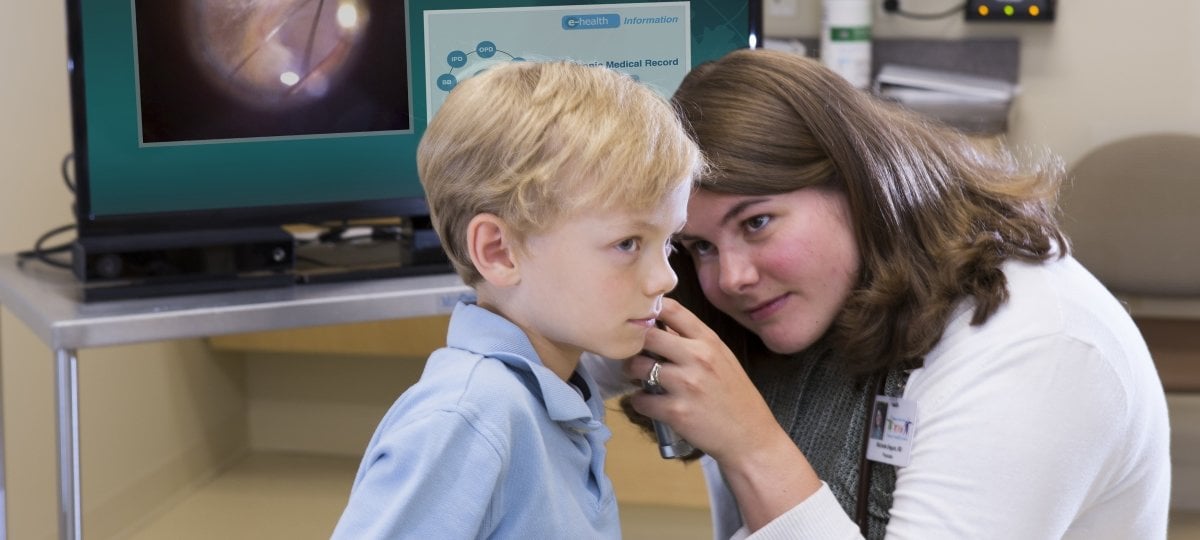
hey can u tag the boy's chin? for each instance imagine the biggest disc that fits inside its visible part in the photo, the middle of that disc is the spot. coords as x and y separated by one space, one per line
621 353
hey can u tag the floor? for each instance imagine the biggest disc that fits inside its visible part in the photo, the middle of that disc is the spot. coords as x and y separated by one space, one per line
299 497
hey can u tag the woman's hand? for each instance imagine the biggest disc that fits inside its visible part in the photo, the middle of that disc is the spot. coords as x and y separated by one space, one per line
711 402
709 399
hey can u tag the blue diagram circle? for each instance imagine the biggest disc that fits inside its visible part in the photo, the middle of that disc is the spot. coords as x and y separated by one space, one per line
458 59
486 49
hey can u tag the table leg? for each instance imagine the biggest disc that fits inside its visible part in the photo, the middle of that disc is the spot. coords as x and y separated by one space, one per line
66 389
3 482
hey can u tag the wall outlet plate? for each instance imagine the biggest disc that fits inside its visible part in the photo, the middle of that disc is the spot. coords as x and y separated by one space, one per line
1010 10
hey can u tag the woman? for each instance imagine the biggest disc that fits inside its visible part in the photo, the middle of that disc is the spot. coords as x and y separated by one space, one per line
842 249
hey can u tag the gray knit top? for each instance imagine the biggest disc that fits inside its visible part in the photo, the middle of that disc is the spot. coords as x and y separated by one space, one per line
824 409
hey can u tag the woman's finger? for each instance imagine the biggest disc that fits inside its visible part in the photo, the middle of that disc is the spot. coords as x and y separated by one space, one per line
683 322
683 327
637 368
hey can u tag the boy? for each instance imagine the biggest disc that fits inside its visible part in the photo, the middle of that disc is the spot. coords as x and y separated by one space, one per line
555 189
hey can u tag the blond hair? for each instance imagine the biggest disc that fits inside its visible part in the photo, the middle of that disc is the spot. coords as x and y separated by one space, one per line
533 142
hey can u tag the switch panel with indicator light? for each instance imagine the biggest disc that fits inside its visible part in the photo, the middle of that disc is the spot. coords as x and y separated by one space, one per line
1010 10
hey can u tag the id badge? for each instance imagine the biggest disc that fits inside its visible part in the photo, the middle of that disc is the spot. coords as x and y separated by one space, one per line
893 425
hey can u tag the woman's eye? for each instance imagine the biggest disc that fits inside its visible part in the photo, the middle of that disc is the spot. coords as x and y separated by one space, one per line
628 245
699 248
756 223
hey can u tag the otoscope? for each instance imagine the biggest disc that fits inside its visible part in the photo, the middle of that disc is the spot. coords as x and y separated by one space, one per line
670 444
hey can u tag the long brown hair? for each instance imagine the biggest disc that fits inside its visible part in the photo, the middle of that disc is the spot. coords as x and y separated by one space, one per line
934 212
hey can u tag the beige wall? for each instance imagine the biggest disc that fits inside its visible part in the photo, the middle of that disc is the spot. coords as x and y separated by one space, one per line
158 415
155 417
1104 70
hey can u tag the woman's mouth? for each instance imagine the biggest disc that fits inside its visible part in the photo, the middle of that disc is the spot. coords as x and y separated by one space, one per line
768 308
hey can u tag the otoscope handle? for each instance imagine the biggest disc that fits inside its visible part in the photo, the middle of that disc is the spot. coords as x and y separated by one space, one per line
670 444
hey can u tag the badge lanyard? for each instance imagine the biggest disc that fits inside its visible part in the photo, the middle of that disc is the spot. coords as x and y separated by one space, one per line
887 438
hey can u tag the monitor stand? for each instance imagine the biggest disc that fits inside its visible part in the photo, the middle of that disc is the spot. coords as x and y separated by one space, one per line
125 266
119 267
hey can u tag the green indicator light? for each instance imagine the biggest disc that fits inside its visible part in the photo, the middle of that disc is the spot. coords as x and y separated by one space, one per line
1009 10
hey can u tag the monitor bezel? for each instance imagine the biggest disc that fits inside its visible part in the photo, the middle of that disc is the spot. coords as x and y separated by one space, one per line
230 218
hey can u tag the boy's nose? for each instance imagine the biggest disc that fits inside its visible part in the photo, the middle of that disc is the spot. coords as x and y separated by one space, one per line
662 277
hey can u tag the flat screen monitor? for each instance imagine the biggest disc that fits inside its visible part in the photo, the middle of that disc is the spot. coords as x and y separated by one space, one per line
223 114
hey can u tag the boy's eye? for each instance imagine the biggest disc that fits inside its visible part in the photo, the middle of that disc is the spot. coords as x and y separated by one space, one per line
757 222
628 244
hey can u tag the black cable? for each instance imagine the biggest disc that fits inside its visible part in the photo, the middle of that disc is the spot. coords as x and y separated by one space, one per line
66 175
42 253
893 7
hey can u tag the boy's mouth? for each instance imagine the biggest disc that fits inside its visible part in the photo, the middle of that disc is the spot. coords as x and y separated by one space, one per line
647 322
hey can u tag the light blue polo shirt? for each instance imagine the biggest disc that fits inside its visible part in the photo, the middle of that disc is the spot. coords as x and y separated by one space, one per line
488 444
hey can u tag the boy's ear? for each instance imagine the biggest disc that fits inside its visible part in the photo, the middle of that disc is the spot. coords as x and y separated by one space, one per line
490 245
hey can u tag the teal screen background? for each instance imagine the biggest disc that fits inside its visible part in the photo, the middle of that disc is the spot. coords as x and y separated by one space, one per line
126 178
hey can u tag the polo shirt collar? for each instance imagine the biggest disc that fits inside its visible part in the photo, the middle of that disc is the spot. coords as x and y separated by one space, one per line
483 332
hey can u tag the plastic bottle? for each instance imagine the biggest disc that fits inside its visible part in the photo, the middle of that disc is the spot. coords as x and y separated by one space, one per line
846 39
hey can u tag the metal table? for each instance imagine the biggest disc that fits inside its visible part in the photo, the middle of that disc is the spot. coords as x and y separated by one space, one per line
47 299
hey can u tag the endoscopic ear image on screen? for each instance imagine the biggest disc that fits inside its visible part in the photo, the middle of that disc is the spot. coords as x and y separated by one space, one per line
234 69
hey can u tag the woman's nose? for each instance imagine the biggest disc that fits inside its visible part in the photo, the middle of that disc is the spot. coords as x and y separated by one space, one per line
736 270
